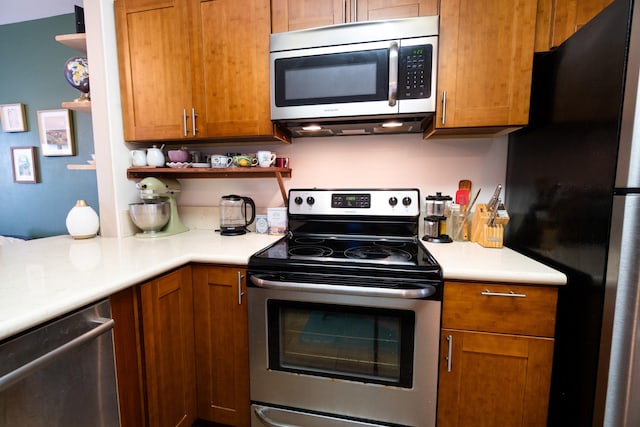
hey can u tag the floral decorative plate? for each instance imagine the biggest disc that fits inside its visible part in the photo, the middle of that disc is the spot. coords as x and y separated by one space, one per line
76 71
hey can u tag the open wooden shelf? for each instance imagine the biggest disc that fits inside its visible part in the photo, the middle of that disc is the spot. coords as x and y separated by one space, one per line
81 167
83 107
238 172
77 41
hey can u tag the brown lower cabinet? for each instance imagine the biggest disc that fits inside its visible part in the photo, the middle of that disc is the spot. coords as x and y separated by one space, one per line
154 341
222 347
496 354
181 345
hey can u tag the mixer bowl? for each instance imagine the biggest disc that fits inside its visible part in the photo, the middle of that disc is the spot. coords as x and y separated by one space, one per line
150 217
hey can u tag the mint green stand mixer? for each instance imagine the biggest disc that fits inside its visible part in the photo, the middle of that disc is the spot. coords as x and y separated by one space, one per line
153 190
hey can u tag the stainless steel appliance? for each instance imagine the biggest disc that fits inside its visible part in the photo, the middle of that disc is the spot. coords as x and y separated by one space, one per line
573 192
358 78
344 314
234 215
61 374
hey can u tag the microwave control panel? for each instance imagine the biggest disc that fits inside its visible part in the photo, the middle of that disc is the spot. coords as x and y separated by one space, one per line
414 74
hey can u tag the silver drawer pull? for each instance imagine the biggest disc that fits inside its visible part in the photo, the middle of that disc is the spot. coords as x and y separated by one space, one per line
510 294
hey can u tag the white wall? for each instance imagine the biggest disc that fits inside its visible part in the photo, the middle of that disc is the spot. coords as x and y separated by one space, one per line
369 162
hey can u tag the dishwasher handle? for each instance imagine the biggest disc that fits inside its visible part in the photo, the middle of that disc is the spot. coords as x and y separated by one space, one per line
6 381
414 293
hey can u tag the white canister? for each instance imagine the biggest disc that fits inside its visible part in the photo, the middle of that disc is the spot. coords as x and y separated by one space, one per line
82 221
155 157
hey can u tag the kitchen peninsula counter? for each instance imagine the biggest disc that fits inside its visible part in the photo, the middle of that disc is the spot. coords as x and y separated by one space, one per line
44 278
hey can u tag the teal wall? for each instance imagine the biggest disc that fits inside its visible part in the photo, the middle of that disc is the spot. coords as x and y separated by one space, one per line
31 73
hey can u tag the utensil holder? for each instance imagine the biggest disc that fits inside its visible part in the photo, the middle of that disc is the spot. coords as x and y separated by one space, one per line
492 236
480 219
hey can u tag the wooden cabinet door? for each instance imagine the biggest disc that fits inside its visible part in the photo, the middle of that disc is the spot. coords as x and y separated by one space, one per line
168 334
290 15
153 344
493 380
155 68
371 10
234 68
222 348
485 63
559 19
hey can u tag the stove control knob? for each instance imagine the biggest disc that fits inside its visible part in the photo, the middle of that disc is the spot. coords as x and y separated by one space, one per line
393 201
406 201
298 200
310 200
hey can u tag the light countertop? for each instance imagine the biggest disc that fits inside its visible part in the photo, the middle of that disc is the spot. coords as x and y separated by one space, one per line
44 278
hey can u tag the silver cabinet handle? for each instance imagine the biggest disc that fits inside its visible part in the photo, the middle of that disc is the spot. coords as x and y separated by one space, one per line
423 292
184 121
444 106
510 294
355 10
393 74
240 293
29 368
449 351
193 121
260 412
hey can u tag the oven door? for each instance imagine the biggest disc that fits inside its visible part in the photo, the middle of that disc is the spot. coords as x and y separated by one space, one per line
368 359
365 79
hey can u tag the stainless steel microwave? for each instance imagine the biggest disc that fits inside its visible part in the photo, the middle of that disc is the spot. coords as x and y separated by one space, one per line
364 72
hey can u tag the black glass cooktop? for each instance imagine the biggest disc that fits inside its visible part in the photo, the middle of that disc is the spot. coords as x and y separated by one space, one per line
335 252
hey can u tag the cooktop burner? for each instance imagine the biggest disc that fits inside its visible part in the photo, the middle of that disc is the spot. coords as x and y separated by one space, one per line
356 250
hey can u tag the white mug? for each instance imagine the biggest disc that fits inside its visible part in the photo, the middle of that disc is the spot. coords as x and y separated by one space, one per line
265 158
138 158
220 161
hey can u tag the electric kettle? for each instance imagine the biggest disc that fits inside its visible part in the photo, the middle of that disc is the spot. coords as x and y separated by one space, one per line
233 214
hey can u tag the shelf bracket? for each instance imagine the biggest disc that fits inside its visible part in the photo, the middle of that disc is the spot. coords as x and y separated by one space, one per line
281 185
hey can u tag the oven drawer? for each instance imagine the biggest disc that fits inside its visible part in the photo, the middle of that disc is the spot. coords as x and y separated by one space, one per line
266 416
509 309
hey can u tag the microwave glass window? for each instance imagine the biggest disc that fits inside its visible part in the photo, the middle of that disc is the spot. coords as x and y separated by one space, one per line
355 343
331 81
332 78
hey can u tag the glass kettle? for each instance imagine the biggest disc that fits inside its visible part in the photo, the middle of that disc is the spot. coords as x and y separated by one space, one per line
234 217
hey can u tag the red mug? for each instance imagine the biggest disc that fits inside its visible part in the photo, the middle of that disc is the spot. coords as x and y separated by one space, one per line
282 162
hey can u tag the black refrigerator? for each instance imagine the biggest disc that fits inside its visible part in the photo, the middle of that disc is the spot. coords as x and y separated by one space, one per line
573 195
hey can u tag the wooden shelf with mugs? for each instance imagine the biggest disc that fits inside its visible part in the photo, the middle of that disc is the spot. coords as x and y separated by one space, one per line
136 172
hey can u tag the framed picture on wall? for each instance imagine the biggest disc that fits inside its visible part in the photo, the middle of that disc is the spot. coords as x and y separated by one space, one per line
13 118
25 169
56 135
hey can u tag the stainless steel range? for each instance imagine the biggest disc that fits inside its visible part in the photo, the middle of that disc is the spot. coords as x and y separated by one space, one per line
344 314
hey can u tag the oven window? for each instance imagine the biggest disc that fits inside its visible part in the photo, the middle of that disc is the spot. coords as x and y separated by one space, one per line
371 345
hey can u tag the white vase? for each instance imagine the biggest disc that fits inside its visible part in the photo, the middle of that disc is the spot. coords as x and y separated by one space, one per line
82 221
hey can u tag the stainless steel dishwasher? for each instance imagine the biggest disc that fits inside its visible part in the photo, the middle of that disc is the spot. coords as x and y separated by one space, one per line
61 374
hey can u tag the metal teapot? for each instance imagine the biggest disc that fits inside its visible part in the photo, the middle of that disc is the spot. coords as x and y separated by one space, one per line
233 214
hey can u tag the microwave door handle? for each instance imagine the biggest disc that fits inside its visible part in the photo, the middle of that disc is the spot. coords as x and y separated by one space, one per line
393 74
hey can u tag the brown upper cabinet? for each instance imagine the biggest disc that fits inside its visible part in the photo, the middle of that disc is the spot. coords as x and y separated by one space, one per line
290 15
194 69
484 66
559 19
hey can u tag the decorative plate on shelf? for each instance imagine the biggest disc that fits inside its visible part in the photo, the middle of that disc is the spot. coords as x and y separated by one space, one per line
76 71
179 165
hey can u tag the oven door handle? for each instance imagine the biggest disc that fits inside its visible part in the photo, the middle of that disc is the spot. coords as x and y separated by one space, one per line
366 291
260 412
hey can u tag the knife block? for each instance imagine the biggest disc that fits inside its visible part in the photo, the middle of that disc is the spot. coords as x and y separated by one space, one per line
482 233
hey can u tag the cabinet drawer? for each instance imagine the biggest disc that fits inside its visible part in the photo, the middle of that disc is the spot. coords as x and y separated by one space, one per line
509 309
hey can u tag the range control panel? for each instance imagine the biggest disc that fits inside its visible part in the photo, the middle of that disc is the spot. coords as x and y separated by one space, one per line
370 202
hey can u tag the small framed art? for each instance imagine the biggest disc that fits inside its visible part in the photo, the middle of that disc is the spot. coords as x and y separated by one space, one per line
25 169
56 136
13 118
